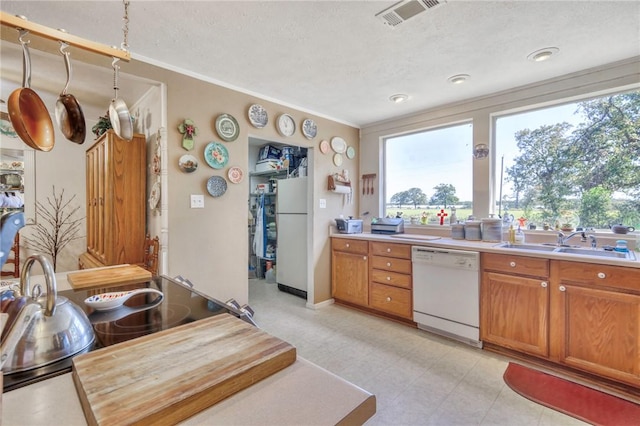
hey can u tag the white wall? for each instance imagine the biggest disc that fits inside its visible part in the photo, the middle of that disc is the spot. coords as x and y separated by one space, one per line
619 75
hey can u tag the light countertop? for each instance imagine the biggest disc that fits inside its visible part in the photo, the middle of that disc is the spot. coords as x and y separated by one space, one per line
481 246
302 393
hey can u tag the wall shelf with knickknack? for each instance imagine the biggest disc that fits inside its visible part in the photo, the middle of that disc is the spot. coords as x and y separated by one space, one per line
17 175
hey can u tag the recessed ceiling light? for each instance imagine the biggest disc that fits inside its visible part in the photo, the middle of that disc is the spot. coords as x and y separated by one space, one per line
458 78
398 98
543 54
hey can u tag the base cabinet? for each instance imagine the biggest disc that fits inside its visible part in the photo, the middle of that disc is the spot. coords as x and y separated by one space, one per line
516 314
373 275
596 325
580 315
350 271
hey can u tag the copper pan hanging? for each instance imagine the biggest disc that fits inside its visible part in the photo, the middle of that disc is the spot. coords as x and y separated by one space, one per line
28 114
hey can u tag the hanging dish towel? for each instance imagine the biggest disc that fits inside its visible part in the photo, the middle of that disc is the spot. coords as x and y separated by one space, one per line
259 236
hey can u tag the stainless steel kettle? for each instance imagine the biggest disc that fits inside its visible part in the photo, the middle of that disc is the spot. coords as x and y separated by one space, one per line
42 329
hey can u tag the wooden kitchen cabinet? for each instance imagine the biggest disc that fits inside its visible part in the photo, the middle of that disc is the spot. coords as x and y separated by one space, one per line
116 208
373 275
596 319
515 303
390 287
350 271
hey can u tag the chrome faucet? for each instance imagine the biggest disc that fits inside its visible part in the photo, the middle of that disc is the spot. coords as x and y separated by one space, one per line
562 239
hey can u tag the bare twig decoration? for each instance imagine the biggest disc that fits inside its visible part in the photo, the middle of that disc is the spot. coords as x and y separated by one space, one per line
56 226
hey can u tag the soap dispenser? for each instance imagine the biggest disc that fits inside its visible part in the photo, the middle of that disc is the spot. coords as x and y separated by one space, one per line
512 235
519 237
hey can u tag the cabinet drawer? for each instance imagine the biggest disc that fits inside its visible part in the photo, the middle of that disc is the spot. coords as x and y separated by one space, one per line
392 300
402 251
520 265
350 246
391 278
391 264
598 275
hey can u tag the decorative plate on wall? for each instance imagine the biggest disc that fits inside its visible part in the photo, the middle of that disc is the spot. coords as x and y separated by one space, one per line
216 186
216 155
258 116
154 197
351 152
188 163
227 127
324 146
337 160
309 128
338 145
235 174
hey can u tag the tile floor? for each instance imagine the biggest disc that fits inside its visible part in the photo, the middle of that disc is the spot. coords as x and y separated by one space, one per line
418 378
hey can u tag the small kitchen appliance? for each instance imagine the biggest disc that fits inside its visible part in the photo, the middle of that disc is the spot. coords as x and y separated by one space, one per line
387 225
349 226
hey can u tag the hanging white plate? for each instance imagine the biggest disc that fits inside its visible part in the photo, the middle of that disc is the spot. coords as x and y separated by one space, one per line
324 146
258 116
154 197
309 128
235 174
216 186
351 152
338 145
337 160
188 163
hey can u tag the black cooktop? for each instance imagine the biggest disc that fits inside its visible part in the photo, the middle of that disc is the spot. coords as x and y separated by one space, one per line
142 314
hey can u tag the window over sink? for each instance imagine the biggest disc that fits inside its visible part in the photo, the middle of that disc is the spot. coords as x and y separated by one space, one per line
575 164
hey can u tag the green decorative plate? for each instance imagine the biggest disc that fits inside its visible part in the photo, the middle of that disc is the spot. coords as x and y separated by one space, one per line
216 155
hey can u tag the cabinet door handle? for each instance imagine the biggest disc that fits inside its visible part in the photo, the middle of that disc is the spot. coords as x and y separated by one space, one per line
364 257
388 278
388 263
562 288
388 250
602 275
347 245
543 284
388 299
512 264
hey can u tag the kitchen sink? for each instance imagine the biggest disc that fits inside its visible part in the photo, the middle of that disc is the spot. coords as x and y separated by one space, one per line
534 247
580 251
597 252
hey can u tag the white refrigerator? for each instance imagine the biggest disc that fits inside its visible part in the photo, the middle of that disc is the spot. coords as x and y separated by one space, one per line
291 254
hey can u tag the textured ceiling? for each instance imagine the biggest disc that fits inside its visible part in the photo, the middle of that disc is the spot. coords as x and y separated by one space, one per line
336 59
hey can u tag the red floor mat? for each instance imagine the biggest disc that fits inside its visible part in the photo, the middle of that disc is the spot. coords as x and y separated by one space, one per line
575 400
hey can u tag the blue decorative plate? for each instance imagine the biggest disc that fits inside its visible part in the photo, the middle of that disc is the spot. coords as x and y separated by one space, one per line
216 186
216 155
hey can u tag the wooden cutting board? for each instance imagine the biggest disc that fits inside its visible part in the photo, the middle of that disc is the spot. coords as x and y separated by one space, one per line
166 377
108 277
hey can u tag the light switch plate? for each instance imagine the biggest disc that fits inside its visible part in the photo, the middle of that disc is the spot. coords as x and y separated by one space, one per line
323 203
197 201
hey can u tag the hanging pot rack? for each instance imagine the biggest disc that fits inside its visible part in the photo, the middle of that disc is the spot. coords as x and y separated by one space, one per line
58 35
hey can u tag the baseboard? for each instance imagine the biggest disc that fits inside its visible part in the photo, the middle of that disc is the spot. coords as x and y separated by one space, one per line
319 305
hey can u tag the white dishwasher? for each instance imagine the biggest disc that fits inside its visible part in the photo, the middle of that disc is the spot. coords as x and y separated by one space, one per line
446 288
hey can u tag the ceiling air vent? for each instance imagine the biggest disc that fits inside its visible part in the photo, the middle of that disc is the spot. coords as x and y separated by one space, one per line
400 12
